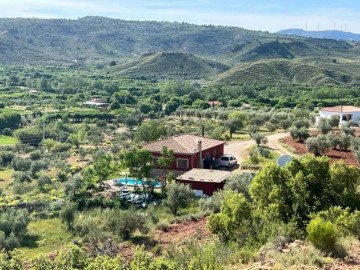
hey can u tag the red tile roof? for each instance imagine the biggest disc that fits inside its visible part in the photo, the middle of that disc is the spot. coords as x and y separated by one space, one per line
341 108
182 144
214 103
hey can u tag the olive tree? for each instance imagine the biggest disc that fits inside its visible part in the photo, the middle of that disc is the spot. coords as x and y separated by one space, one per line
178 196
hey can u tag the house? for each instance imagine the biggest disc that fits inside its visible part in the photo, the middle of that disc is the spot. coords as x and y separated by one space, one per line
204 181
214 103
345 113
190 151
96 102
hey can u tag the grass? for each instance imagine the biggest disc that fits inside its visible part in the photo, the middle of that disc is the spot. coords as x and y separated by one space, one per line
262 160
7 140
45 236
5 176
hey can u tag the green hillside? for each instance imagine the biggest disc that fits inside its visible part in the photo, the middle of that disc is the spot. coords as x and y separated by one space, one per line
98 39
171 65
294 71
91 39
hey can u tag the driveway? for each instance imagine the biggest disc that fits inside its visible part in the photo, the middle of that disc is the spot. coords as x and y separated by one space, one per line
240 149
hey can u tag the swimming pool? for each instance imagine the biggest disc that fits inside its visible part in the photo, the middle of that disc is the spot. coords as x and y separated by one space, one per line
134 182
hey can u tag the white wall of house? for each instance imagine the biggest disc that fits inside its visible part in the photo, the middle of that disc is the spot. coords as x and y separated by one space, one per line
354 116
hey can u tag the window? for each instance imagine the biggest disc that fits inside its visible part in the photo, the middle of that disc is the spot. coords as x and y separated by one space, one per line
182 163
155 160
225 158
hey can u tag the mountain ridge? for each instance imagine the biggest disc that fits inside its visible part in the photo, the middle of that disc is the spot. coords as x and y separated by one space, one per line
324 34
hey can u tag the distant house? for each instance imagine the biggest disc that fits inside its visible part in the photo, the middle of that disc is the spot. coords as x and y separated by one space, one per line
214 103
345 113
204 181
190 151
33 91
96 102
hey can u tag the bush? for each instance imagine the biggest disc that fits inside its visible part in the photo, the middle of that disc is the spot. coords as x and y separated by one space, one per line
124 222
36 155
21 177
323 126
270 127
254 155
6 157
323 234
178 196
163 226
334 121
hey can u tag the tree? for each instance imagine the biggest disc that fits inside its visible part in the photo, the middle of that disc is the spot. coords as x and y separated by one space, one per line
102 168
234 221
300 134
67 215
318 145
150 131
125 222
236 120
139 162
258 138
323 126
164 162
178 196
334 121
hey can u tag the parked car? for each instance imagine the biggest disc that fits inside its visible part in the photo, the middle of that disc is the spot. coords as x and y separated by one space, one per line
228 160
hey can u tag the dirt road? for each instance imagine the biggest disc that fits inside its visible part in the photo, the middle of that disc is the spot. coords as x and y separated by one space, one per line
239 149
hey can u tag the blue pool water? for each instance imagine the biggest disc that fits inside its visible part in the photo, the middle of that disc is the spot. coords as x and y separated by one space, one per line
133 182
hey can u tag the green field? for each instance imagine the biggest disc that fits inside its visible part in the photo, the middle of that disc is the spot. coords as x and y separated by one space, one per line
5 176
7 140
45 236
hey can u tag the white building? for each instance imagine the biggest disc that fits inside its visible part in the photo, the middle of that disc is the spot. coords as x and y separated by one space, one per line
345 113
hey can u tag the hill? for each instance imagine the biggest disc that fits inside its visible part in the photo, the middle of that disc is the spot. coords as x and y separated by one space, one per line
328 34
92 39
171 65
273 71
98 39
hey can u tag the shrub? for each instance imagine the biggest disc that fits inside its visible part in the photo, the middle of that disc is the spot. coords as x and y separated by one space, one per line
6 158
333 140
300 134
323 126
254 155
345 141
264 152
124 222
178 196
36 155
334 121
270 127
21 177
322 234
163 226
43 181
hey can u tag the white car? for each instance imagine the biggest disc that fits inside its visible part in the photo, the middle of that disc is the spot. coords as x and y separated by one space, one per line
227 160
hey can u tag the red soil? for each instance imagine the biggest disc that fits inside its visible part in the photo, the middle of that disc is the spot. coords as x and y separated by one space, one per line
334 154
177 234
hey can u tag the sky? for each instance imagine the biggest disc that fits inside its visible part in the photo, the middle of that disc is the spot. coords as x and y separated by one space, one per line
262 15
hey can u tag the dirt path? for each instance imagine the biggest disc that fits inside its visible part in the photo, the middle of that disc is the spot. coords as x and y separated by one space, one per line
239 149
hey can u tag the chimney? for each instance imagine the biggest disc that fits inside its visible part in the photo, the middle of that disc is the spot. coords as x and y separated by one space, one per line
199 148
341 108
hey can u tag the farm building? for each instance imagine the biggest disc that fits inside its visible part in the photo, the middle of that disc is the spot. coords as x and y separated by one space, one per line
96 103
345 113
204 181
190 151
